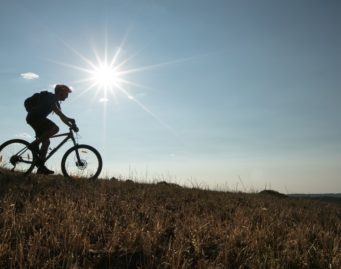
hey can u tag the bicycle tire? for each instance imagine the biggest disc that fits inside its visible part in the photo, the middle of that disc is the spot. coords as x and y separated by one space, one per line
72 169
15 156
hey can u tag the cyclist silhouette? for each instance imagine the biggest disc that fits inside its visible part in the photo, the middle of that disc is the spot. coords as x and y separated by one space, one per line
45 103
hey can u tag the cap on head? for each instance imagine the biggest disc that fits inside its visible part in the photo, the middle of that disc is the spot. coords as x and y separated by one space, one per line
60 88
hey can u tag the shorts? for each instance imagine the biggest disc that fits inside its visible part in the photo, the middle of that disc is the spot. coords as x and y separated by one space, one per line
41 126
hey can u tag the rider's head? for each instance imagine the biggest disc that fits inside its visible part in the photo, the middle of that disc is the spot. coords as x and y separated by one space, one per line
62 91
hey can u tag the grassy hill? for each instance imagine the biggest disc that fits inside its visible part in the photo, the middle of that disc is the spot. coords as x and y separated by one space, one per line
51 222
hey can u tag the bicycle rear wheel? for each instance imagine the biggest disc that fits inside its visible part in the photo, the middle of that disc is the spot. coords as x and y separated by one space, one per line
15 155
82 161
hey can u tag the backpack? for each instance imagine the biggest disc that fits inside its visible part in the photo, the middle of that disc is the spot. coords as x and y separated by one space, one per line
35 100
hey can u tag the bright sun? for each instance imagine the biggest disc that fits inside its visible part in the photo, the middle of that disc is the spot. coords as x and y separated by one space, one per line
108 76
105 76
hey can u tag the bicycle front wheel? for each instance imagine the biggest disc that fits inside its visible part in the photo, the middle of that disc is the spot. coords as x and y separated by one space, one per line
15 155
82 161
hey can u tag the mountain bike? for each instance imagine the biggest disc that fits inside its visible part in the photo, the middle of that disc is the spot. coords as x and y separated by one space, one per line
79 161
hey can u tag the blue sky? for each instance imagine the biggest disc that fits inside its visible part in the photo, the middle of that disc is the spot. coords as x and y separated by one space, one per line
222 94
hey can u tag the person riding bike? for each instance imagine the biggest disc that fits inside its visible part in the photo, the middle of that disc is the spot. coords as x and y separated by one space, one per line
44 128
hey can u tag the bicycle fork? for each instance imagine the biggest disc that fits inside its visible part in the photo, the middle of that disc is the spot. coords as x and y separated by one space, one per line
79 162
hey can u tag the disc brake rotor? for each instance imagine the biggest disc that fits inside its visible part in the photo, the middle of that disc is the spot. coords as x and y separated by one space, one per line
82 164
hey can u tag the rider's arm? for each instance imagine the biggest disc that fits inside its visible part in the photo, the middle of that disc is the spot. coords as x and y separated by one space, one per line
68 121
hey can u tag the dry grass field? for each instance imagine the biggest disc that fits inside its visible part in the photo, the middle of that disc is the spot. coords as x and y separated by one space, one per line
51 222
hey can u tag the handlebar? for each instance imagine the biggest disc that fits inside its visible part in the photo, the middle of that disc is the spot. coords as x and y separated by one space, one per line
74 126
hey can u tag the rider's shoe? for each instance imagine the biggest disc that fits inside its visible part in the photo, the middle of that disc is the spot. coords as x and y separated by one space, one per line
43 170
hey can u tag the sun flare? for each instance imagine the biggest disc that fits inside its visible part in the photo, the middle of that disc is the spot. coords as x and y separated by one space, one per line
105 76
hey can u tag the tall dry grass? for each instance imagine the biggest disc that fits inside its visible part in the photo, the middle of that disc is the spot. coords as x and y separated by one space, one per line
50 222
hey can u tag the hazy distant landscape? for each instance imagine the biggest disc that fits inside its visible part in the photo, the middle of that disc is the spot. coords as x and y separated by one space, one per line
51 222
325 197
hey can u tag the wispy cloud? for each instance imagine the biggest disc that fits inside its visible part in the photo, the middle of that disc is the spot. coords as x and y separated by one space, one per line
29 76
24 135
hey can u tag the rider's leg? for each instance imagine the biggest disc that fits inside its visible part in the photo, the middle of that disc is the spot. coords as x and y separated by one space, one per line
42 169
44 129
43 137
45 140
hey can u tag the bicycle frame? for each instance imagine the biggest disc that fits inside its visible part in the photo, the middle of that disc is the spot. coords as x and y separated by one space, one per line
68 135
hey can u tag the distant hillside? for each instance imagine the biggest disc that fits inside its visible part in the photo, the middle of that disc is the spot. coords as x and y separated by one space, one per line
52 222
325 197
